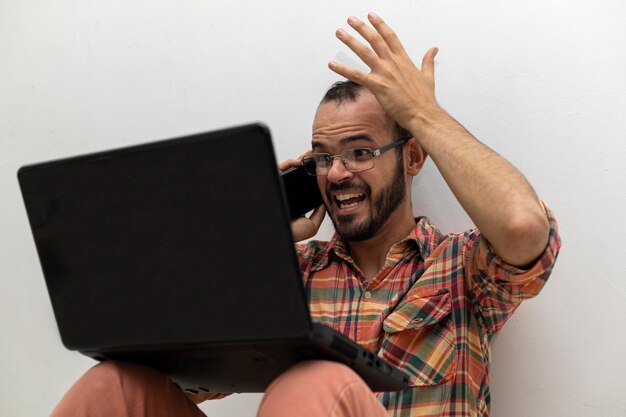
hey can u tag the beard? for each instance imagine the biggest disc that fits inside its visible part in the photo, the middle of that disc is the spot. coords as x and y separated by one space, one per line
380 209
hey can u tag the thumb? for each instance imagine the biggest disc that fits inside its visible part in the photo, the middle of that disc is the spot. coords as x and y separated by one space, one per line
428 62
306 227
318 216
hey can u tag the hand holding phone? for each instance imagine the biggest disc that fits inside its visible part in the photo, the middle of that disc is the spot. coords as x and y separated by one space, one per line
303 194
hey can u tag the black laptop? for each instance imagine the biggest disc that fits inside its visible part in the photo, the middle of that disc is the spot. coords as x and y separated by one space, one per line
178 254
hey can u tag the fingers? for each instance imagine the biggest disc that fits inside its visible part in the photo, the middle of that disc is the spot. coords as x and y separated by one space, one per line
375 40
383 43
351 74
367 55
382 39
285 165
389 37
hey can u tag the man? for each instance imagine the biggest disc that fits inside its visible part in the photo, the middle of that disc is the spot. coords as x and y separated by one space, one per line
429 303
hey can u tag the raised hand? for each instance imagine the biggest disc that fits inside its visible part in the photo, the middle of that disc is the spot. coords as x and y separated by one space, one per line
405 92
496 196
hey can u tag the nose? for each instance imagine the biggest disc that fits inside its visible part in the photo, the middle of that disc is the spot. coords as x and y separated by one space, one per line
338 171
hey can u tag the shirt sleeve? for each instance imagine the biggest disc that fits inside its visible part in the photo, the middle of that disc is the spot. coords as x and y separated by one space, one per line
497 287
305 252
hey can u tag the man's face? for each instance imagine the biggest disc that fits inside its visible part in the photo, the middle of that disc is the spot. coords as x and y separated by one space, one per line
359 203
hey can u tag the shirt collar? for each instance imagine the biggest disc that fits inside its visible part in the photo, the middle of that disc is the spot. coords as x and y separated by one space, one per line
423 236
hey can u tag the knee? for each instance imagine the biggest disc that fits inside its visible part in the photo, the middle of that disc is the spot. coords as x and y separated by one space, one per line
107 370
314 378
103 382
113 388
311 388
317 373
104 372
111 375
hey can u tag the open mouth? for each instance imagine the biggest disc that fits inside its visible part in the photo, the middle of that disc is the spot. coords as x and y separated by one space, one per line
346 201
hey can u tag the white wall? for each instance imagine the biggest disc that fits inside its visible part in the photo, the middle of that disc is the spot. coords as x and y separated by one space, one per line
542 82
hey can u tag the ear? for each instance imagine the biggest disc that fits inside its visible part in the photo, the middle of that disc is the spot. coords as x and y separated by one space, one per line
414 157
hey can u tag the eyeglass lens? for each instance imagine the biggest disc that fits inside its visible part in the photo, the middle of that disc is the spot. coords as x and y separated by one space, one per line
355 160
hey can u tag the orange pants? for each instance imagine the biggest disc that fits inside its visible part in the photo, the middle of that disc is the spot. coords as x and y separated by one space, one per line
309 389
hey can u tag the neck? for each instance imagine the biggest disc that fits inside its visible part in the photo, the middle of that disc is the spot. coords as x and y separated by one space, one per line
370 255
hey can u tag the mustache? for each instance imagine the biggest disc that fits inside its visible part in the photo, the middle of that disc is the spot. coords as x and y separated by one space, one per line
366 189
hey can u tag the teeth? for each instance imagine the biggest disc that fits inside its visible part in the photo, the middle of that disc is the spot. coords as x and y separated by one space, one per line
343 197
349 205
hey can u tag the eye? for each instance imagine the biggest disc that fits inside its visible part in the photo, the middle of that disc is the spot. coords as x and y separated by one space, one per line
320 158
361 153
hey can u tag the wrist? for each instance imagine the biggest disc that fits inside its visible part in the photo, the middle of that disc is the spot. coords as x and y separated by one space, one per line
425 120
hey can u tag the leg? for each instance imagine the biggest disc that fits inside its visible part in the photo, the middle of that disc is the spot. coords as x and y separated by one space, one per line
320 389
115 389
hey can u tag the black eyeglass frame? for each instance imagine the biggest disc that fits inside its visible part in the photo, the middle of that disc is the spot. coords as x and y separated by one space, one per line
375 153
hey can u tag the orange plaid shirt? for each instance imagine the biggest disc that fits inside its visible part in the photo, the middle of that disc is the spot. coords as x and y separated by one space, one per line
432 310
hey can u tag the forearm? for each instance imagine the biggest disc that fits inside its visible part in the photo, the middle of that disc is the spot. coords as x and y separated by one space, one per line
496 196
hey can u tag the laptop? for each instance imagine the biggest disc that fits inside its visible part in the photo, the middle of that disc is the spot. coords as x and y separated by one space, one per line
178 255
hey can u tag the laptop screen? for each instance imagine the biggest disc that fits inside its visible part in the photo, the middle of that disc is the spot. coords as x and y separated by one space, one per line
179 240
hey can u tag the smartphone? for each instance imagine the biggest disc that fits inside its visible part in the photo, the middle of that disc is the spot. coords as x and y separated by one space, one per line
303 194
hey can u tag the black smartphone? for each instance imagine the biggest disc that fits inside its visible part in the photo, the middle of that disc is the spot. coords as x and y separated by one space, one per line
303 194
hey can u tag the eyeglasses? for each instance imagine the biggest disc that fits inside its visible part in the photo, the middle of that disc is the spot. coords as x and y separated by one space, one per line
355 160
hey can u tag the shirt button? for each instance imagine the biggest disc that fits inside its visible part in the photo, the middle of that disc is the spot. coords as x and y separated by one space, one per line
367 295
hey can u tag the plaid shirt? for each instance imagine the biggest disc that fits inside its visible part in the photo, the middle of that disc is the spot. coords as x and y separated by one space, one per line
432 310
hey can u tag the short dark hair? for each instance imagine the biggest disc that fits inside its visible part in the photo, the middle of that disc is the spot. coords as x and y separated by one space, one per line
348 92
